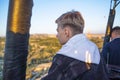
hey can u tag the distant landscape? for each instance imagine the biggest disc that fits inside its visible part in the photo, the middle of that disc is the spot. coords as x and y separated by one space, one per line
42 48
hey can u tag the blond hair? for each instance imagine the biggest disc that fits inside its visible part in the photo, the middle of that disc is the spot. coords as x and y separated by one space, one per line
72 18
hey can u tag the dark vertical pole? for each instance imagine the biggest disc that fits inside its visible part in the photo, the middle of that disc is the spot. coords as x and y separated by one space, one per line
17 39
110 21
109 26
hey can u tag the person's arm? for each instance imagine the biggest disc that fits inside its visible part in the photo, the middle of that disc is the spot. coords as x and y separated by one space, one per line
76 70
105 53
65 68
56 70
54 73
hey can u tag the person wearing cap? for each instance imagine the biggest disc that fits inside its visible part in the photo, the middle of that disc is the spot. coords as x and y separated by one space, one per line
78 58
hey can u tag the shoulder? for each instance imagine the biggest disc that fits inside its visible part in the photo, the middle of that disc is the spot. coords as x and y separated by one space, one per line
70 61
115 40
113 43
61 60
62 57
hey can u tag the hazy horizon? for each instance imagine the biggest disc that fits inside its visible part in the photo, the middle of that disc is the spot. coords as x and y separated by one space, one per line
45 12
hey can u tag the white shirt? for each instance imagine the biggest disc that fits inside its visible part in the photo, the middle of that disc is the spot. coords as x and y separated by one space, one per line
80 48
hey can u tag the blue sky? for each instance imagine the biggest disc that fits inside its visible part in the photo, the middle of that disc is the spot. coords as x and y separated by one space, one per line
45 12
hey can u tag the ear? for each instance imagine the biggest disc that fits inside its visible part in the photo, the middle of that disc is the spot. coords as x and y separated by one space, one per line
67 32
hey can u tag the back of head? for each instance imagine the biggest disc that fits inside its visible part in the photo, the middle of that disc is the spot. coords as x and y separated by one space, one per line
115 32
72 18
